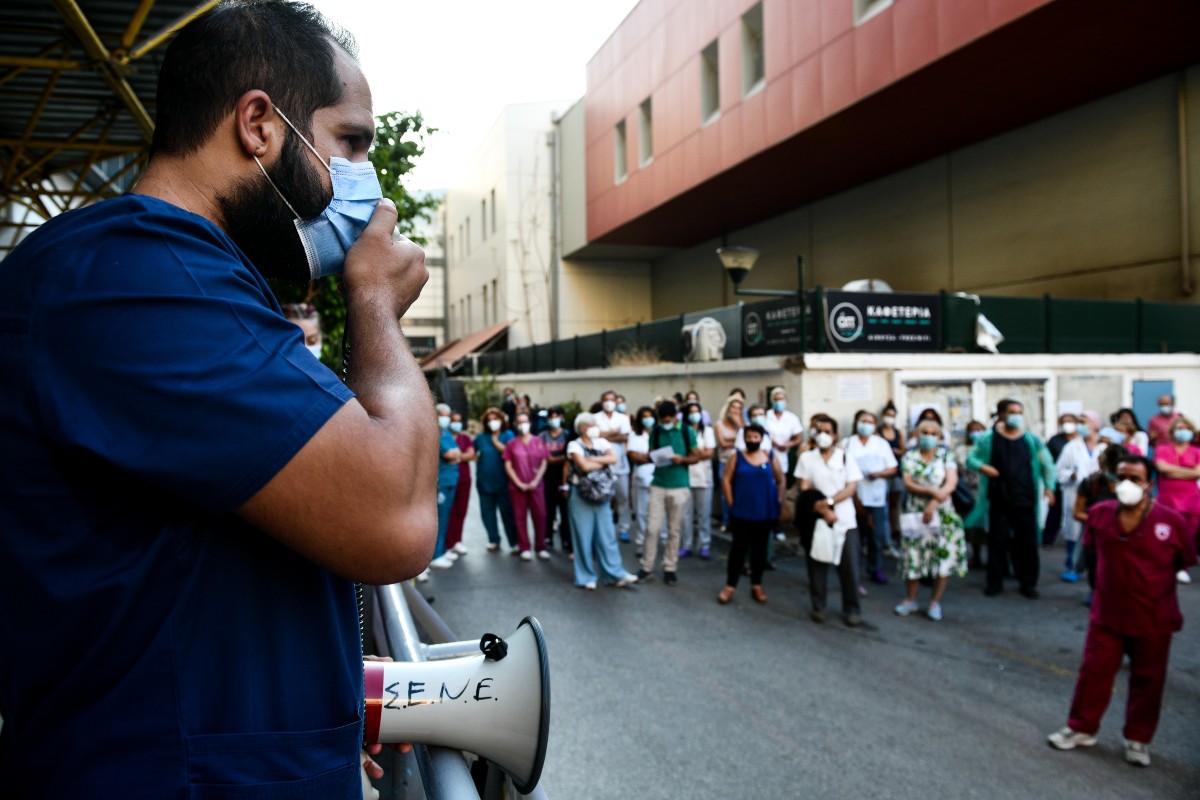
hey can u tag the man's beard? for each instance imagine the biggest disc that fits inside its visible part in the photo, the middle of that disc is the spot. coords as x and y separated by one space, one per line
262 225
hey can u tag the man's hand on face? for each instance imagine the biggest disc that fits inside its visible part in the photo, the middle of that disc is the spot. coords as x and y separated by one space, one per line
385 264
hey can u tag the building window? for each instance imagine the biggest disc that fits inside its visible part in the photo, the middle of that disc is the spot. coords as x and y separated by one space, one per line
495 301
483 220
865 9
493 210
468 236
450 249
621 167
485 306
645 133
710 84
462 253
753 62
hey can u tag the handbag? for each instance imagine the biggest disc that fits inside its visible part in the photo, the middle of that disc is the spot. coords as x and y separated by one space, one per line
599 485
963 499
827 542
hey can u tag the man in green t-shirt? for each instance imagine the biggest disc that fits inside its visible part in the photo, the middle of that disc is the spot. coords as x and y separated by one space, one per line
669 493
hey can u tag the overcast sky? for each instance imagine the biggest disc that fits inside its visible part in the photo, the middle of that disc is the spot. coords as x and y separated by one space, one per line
459 62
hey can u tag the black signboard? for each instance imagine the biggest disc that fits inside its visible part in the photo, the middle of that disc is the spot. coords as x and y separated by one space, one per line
874 322
771 328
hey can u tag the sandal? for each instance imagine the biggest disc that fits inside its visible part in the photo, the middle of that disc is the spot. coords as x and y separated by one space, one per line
758 594
726 595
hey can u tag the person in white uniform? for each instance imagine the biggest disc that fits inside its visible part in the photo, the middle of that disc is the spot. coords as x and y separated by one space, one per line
615 429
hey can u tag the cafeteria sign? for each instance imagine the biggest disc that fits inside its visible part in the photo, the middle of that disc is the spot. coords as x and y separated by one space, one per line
875 322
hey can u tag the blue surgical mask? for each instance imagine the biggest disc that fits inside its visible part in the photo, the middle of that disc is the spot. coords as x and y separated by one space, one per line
779 405
1014 420
456 427
356 193
865 429
927 441
694 418
444 423
668 426
554 422
621 407
974 436
1183 435
648 423
758 419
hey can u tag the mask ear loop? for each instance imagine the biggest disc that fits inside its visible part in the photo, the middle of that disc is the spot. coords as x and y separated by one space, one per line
273 186
306 142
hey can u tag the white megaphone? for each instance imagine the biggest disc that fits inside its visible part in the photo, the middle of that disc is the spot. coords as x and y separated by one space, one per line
495 705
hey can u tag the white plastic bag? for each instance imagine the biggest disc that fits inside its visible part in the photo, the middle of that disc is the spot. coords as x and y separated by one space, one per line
914 526
827 542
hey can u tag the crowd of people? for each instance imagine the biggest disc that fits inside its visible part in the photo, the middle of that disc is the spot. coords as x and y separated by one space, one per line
934 507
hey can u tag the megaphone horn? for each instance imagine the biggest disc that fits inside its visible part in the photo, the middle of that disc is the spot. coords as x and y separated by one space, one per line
495 705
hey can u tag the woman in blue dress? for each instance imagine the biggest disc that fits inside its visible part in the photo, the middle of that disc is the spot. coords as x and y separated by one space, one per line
753 486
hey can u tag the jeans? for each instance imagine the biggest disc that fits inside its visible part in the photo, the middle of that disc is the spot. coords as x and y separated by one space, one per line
697 527
489 504
879 539
595 542
622 501
445 498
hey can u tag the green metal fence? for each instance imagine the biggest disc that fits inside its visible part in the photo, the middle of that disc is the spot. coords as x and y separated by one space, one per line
1029 325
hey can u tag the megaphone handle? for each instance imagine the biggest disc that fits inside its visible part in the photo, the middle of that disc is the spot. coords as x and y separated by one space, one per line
358 587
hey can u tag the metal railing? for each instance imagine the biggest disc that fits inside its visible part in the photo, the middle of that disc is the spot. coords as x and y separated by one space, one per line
401 614
1030 325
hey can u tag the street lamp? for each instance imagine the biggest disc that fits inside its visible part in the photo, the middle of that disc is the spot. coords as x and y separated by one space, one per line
738 261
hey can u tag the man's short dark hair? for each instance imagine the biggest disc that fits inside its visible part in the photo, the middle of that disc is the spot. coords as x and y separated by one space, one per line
1147 464
285 49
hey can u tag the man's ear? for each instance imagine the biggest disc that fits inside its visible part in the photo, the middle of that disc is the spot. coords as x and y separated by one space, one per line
259 129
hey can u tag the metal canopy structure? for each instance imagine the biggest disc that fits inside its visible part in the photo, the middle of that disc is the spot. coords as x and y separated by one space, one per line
77 86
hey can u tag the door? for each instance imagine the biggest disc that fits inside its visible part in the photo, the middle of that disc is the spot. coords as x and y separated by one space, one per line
1145 398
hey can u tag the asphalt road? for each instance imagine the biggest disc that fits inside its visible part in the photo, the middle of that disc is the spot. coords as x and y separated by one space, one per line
659 692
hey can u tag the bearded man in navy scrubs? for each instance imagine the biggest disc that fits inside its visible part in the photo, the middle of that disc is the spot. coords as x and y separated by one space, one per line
186 494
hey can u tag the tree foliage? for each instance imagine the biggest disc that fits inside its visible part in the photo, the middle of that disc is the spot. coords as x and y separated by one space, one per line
399 141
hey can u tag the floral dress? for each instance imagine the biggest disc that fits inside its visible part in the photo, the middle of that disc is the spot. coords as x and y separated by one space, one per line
945 554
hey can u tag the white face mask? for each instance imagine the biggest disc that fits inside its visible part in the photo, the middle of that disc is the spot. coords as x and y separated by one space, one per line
493 425
608 406
824 440
315 349
1068 428
1129 493
523 427
592 433
889 421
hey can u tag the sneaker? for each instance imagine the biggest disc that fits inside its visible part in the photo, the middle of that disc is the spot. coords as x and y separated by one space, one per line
460 548
892 552
1070 576
935 612
441 563
1182 577
1030 593
623 536
423 577
1137 753
493 547
526 555
450 554
669 578
589 586
706 554
862 590
853 619
685 553
1067 739
906 608
544 555
628 580
817 615
644 576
